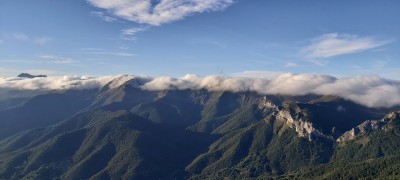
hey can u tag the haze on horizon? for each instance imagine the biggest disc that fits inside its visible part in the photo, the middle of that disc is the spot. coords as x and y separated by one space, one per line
175 37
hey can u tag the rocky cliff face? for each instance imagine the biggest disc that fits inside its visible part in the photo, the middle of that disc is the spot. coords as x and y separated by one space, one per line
368 126
299 124
292 116
299 119
267 106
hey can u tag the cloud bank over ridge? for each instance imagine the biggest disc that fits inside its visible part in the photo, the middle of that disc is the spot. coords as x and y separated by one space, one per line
371 91
61 82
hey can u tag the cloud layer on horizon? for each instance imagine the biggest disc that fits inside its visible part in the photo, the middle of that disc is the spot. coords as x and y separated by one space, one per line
160 12
371 91
61 82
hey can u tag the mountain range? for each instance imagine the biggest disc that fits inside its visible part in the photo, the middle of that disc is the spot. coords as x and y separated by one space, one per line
124 131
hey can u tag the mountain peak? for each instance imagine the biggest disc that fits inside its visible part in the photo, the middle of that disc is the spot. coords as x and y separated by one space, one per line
27 75
392 116
296 119
267 105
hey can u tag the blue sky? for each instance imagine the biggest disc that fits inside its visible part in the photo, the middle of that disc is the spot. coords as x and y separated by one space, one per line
177 37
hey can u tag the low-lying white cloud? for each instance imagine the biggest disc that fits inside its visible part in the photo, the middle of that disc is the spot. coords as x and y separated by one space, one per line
60 82
158 12
370 90
257 74
334 44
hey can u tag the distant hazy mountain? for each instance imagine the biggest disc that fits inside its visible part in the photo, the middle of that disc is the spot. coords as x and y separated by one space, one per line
122 130
26 75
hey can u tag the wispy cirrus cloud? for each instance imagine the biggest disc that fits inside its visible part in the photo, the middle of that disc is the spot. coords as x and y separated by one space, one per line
91 49
105 52
152 13
290 64
158 12
56 59
103 16
334 44
123 54
20 36
40 40
130 33
211 42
